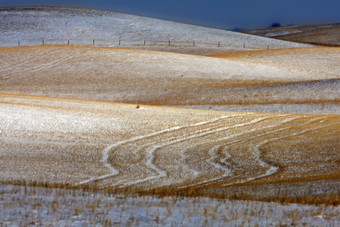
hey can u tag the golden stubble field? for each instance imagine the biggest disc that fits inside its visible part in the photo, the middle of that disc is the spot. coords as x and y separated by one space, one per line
120 136
168 151
261 81
128 126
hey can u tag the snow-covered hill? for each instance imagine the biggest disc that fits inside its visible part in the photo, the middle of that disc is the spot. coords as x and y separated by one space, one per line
30 25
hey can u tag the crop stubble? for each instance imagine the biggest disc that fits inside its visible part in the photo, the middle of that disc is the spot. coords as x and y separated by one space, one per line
118 147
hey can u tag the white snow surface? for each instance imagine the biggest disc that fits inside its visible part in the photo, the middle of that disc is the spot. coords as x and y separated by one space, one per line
56 25
60 207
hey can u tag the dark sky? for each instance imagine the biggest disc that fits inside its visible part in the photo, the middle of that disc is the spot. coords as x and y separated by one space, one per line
225 14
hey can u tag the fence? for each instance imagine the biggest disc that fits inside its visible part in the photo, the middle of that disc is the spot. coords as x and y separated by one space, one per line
125 43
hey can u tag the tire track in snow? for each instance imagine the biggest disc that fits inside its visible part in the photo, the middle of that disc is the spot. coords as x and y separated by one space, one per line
20 62
194 135
183 139
273 169
174 140
214 155
227 154
262 163
50 64
219 154
114 146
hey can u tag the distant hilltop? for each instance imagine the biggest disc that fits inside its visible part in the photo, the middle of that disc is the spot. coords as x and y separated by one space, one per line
63 23
319 34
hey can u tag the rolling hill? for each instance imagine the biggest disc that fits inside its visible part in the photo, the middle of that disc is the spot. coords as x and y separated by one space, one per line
240 81
57 25
111 118
118 147
320 34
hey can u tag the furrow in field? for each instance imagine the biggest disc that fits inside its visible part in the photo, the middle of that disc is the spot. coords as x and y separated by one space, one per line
13 63
148 140
59 60
153 149
247 150
145 157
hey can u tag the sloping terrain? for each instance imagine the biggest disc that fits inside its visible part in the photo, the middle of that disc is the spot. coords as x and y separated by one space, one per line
105 146
57 25
321 60
248 80
72 151
323 34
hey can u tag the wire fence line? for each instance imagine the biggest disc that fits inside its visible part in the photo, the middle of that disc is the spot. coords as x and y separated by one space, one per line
117 43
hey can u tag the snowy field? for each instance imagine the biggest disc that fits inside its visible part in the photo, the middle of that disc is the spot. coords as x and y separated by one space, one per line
82 26
160 78
325 108
69 156
120 147
23 205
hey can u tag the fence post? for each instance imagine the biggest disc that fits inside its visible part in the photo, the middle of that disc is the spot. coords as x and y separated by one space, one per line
43 42
68 42
244 45
119 42
18 43
93 43
219 44
144 42
169 42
